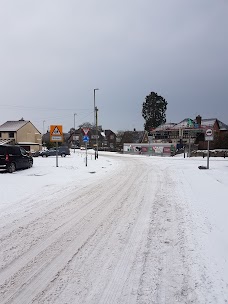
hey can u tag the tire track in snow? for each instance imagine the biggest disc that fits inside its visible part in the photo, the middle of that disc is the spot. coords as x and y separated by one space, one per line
87 263
42 221
66 258
166 277
93 282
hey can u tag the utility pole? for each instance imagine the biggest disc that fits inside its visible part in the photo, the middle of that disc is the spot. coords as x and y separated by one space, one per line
189 145
43 133
74 141
94 108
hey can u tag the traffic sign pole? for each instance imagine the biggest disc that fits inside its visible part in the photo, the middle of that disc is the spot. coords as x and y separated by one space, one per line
86 152
208 153
86 139
57 154
209 136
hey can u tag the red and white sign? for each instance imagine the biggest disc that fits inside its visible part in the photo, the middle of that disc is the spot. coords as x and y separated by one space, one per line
209 132
209 136
85 130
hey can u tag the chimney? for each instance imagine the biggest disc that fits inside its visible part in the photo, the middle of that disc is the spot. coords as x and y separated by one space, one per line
198 120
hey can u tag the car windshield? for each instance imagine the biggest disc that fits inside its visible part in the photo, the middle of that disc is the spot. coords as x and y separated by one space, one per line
23 151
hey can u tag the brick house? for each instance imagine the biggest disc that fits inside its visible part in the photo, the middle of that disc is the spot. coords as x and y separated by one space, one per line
106 139
188 131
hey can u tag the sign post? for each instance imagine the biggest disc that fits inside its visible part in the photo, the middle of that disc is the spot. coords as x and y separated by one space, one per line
56 145
86 139
209 136
56 135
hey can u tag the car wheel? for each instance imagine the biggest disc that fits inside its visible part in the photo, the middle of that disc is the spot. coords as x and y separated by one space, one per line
11 168
63 155
30 164
44 155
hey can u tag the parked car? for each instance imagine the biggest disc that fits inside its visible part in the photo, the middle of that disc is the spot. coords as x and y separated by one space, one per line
62 150
35 153
13 157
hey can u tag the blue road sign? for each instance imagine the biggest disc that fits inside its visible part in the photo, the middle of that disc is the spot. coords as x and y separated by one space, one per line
85 138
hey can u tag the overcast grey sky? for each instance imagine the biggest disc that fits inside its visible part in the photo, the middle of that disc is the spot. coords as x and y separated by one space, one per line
55 52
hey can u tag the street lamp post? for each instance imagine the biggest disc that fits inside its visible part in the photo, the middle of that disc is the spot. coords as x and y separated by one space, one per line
74 141
95 120
96 109
43 133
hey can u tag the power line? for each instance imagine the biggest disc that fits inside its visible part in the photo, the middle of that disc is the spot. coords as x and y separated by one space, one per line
42 108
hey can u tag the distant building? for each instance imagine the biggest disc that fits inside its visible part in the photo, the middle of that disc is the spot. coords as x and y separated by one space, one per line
188 131
106 139
21 132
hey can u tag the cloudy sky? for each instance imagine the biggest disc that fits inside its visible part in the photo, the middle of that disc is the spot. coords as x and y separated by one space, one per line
54 53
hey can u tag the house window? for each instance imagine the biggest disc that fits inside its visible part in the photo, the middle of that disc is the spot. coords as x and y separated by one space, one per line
0 134
11 134
111 136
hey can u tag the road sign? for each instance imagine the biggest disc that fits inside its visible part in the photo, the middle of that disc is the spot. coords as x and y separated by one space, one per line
209 136
75 137
85 138
209 132
94 136
56 133
85 130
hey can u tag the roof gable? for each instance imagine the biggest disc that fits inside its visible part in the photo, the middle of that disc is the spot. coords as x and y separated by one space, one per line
12 126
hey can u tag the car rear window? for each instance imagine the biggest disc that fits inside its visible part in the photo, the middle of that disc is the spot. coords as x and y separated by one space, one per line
2 150
14 150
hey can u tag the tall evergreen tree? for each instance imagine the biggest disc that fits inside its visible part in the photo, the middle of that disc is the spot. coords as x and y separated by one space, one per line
153 111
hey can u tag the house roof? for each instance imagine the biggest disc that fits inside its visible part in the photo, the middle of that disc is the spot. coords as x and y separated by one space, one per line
208 122
182 124
222 126
109 132
12 126
165 126
15 125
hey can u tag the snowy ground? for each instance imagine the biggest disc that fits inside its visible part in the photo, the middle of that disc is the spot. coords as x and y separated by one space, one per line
124 229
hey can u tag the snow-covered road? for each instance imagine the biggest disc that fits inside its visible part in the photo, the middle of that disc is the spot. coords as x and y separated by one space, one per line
128 236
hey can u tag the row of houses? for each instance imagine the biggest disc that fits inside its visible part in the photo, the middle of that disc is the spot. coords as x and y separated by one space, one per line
25 134
188 131
106 139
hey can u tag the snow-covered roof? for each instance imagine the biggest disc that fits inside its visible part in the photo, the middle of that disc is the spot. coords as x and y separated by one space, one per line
208 122
182 124
12 126
222 126
165 126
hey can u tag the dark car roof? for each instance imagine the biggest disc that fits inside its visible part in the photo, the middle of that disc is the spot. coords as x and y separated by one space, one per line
5 146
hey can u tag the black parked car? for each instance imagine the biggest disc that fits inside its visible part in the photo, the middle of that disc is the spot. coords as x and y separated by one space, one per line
62 150
14 157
